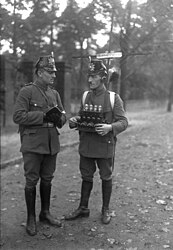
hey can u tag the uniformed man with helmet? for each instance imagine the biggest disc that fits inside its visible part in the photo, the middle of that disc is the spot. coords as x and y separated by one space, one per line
97 149
39 138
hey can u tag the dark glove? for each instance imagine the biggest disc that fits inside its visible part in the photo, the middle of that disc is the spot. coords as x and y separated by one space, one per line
61 121
54 118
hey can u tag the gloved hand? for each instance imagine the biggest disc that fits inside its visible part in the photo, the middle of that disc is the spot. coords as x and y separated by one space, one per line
54 118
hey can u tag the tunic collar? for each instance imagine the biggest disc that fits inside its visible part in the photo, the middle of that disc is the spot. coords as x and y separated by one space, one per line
41 85
99 91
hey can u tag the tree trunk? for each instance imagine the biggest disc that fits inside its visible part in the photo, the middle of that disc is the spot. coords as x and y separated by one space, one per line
123 67
52 27
170 97
14 41
80 78
124 44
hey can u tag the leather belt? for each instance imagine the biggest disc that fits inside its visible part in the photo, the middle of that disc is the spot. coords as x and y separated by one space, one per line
44 125
48 125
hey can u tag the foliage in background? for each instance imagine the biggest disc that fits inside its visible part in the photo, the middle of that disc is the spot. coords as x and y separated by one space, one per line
143 32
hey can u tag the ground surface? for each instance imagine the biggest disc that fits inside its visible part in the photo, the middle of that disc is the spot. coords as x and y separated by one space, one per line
142 199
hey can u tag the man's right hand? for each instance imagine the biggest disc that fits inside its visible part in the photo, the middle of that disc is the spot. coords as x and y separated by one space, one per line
73 121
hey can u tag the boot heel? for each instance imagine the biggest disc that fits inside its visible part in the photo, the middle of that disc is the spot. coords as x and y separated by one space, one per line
85 214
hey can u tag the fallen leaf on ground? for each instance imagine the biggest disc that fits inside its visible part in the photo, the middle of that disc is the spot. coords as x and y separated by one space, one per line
111 241
161 202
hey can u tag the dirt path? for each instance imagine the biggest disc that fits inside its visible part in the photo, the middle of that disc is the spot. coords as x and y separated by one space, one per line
10 141
142 199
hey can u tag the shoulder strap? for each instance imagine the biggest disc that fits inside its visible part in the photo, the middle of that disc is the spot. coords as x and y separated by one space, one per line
112 98
28 84
84 97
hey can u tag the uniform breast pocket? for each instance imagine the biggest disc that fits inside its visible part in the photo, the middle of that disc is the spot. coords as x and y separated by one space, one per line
36 106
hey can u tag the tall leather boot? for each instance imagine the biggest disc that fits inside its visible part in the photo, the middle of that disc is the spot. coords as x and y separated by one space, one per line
82 210
30 196
106 195
45 216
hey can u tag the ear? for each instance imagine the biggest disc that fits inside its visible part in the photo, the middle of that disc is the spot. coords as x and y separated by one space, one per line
39 73
103 78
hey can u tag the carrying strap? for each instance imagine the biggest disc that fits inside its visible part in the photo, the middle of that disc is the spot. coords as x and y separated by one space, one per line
112 98
111 94
84 97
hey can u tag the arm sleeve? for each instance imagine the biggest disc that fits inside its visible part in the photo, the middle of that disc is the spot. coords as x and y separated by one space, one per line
22 115
120 121
63 118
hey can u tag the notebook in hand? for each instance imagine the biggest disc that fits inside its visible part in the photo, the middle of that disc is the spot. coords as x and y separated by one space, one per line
54 110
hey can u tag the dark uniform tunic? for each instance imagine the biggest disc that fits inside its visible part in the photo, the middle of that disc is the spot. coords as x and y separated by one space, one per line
38 139
94 148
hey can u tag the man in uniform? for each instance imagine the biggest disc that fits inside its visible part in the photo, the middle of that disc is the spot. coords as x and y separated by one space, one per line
39 138
97 148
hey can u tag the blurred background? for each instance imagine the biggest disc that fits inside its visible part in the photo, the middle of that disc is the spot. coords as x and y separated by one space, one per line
141 30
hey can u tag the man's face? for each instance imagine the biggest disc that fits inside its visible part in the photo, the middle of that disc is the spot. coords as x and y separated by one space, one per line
94 81
48 77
